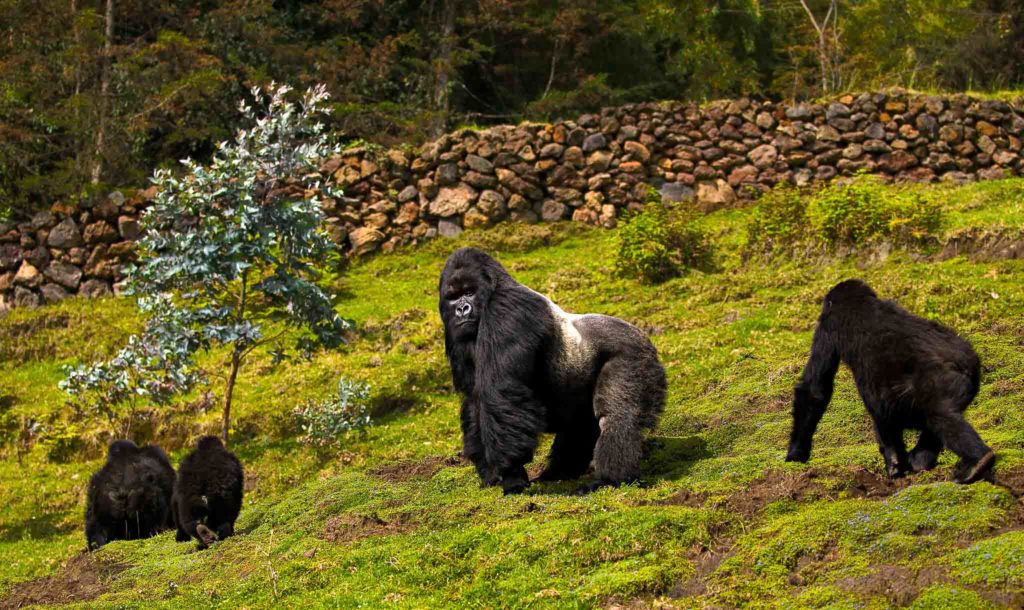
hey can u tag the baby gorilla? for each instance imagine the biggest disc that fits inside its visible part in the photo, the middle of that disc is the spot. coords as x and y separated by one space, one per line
130 497
208 493
911 373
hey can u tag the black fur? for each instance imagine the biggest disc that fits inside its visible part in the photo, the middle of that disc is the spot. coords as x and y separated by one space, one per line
525 367
130 496
208 493
911 373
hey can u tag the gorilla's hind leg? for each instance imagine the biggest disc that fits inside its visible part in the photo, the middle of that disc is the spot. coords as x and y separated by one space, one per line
618 404
181 535
889 435
925 455
571 453
976 459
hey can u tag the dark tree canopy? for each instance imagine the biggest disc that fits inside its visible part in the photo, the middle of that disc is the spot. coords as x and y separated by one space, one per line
163 85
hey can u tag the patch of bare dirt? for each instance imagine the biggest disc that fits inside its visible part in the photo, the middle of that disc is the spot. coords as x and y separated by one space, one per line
400 472
867 484
775 485
684 497
349 528
1012 480
83 578
635 604
984 245
705 561
899 584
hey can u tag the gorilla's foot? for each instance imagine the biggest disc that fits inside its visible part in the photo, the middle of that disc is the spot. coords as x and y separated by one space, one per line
923 459
226 530
512 488
594 485
181 536
897 470
206 536
966 473
897 464
798 454
558 474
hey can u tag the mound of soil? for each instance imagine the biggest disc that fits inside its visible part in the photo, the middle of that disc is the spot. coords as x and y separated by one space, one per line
349 528
83 578
400 472
899 584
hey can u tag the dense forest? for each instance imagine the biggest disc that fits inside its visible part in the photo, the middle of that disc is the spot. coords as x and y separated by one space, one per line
96 93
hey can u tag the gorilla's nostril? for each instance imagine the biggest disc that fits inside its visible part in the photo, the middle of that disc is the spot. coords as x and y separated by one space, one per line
463 310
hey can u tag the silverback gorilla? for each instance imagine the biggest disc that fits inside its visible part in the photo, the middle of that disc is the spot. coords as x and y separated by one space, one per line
130 497
525 367
911 373
208 493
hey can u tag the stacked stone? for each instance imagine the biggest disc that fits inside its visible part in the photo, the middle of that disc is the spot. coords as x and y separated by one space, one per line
65 251
592 168
588 170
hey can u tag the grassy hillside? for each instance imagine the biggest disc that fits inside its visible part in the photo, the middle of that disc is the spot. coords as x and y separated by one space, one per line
395 519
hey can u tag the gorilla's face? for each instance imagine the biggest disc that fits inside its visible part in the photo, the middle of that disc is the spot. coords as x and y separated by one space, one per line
463 303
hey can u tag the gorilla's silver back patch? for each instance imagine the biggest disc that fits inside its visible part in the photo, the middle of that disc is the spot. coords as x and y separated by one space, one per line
577 352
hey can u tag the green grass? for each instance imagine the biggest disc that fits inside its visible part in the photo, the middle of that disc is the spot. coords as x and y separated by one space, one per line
719 520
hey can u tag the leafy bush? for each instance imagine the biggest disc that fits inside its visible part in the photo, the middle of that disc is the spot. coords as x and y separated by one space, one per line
322 422
849 213
661 242
61 442
592 93
228 250
779 219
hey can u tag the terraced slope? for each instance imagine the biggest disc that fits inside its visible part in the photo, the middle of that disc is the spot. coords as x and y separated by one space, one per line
395 519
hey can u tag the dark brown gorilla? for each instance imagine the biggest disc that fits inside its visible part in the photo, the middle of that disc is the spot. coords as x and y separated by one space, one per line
208 493
912 373
130 497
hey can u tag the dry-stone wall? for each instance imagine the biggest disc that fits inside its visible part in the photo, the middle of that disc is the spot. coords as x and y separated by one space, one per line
587 170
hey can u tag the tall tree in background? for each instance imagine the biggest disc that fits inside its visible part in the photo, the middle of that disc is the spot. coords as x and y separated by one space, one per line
443 67
96 93
107 59
827 44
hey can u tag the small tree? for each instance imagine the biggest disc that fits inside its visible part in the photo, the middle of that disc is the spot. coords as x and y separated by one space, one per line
228 248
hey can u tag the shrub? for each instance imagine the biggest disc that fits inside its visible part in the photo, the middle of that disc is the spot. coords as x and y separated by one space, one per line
779 219
848 213
661 242
862 209
61 441
229 249
322 422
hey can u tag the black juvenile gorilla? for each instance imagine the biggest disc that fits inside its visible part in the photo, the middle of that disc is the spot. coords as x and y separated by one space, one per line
911 373
208 493
130 497
525 367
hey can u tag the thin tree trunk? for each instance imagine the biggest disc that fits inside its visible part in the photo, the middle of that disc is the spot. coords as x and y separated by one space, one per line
826 63
97 167
443 69
77 36
237 352
236 361
551 74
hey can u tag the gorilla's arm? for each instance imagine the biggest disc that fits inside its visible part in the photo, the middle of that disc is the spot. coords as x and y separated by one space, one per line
473 445
96 534
812 395
510 417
